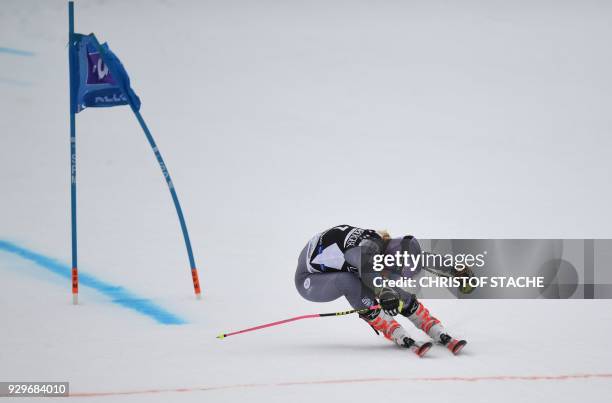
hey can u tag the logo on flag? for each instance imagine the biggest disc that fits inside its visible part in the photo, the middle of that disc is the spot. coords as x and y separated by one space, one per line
98 71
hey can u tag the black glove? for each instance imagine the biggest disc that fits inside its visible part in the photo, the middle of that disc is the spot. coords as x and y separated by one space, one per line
466 274
390 301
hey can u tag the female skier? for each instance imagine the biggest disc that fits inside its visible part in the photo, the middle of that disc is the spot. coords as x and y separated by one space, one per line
340 262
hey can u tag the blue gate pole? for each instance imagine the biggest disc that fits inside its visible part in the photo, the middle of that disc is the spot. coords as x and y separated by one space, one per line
177 205
73 204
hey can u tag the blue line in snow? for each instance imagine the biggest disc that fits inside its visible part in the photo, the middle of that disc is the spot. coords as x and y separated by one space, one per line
17 52
19 83
118 294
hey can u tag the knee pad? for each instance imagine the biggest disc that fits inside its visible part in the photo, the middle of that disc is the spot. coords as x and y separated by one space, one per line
370 316
410 307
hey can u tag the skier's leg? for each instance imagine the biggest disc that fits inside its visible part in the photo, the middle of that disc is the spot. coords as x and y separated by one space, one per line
326 287
384 323
419 315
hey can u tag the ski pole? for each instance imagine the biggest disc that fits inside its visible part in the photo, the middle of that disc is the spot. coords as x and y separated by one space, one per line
427 269
315 315
464 289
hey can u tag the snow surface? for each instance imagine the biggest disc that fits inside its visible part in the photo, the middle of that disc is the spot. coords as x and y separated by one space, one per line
485 119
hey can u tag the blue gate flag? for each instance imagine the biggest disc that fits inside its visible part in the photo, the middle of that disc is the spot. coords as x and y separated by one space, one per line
92 82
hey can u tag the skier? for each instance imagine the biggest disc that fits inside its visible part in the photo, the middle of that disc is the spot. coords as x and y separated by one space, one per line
339 262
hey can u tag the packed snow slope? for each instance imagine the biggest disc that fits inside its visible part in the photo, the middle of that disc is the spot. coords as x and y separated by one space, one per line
277 120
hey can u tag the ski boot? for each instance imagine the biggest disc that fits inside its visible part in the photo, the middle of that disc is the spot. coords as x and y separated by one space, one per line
384 323
453 345
421 318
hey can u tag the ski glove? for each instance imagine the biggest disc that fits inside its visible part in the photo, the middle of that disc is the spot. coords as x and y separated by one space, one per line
466 273
390 301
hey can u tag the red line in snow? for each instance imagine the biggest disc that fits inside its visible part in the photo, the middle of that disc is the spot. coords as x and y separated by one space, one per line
355 380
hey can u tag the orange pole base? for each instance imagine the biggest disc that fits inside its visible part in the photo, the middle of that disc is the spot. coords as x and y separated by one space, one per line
196 282
75 286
